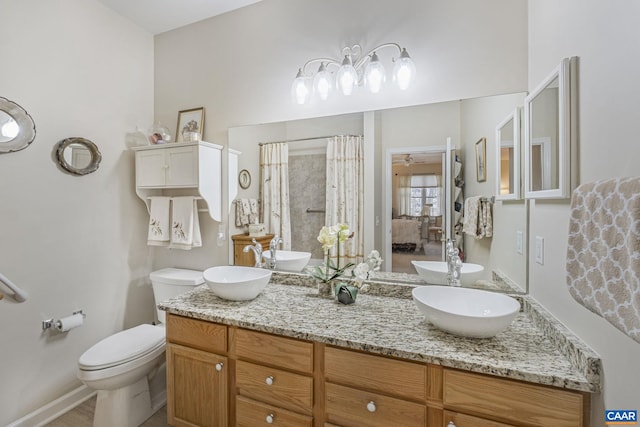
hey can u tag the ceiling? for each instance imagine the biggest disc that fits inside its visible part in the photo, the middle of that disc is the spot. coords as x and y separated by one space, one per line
158 16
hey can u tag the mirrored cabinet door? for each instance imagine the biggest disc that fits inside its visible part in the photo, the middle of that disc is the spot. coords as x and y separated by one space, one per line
508 157
547 141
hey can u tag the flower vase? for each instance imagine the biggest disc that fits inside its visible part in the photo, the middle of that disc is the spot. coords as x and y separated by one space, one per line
325 289
346 294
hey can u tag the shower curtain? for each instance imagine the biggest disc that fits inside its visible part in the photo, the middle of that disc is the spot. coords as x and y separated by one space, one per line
344 193
274 191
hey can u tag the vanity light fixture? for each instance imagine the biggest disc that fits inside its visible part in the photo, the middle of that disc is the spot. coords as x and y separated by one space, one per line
354 70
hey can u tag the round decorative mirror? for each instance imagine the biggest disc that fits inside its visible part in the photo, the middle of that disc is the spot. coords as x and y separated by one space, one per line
17 129
78 156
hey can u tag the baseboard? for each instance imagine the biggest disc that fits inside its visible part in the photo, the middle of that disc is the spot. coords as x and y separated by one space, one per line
53 410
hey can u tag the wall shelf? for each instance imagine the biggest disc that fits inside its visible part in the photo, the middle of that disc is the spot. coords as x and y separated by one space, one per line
181 169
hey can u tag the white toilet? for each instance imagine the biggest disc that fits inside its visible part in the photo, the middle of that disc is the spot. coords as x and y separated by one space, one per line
120 366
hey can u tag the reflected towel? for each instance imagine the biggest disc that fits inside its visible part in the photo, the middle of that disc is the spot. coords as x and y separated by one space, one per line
159 232
603 251
478 218
246 212
185 228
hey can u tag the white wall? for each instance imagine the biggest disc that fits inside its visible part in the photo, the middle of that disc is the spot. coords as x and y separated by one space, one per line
604 36
72 242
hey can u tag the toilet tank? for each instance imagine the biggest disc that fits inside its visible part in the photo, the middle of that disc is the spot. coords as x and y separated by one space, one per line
171 282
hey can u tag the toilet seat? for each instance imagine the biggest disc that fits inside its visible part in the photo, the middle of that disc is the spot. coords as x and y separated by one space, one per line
122 347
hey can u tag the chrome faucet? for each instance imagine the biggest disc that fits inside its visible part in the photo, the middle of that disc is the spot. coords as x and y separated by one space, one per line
273 248
454 264
257 252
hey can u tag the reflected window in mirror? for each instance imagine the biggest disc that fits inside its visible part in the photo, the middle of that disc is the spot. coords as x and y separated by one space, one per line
508 157
548 136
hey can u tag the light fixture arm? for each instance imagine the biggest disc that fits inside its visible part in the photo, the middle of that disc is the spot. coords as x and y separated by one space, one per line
353 52
363 59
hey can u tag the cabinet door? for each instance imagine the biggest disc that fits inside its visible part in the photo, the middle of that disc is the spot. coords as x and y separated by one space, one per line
150 168
196 388
462 420
183 166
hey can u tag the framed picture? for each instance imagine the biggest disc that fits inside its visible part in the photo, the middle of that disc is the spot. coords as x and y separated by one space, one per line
481 158
244 179
190 121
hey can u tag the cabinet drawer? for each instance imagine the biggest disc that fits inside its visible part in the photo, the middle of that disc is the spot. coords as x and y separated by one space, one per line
462 420
250 413
287 390
350 407
513 402
197 333
273 350
395 377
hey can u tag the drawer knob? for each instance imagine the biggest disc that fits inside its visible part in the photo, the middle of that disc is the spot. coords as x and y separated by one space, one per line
269 380
451 424
371 406
219 366
270 418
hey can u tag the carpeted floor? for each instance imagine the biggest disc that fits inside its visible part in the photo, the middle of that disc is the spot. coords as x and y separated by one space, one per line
401 261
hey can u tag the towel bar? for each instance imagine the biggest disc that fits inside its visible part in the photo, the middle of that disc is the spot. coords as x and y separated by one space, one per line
18 294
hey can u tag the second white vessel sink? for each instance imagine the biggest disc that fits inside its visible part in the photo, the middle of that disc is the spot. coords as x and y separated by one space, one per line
289 260
466 312
435 272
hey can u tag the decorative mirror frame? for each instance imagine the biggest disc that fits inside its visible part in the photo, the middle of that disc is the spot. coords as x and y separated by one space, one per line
96 157
515 170
27 132
566 133
244 179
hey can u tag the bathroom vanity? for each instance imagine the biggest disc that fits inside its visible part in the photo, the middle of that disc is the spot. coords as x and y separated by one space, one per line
292 358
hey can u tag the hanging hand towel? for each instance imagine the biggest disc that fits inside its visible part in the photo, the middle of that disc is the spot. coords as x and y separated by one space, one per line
471 215
253 211
243 212
485 222
159 231
185 228
603 251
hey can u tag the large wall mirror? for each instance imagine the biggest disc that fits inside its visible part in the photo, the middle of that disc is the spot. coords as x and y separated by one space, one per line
416 137
508 157
548 140
17 129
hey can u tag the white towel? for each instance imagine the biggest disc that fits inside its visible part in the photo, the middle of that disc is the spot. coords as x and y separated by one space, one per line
246 212
478 219
159 231
253 211
185 228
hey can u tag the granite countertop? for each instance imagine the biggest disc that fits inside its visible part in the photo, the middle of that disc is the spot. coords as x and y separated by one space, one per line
531 349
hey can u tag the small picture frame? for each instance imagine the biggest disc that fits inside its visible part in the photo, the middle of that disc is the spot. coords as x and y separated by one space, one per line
244 179
481 159
190 125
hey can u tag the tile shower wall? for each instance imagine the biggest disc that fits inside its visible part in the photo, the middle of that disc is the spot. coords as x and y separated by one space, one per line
307 178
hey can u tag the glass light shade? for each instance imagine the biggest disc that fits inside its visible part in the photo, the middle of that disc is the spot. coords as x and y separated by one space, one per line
322 82
347 76
404 70
299 89
374 74
10 129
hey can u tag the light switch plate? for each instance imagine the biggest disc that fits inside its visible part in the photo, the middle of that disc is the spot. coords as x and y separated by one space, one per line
540 250
519 241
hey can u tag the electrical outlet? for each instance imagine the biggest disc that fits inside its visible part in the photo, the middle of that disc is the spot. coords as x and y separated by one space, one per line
519 242
540 250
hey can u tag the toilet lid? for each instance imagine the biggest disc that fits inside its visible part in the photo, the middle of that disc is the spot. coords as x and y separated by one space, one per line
122 347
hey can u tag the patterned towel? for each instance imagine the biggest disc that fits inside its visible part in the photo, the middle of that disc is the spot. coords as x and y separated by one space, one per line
159 232
478 219
603 254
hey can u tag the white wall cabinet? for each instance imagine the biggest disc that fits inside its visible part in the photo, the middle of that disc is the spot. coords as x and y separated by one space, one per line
185 169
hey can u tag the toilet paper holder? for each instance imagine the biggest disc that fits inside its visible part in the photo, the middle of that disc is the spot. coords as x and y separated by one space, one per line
57 324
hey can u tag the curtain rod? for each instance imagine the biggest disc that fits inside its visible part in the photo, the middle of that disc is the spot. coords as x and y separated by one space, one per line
301 139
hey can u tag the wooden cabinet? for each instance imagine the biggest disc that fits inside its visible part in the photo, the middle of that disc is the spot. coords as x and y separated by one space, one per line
276 372
198 373
221 375
242 240
194 169
513 402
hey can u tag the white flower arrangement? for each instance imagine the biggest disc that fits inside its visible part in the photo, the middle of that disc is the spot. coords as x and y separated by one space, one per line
363 270
330 237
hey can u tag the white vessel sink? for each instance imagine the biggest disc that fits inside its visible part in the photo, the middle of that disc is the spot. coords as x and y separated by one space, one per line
466 312
289 260
236 283
435 272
